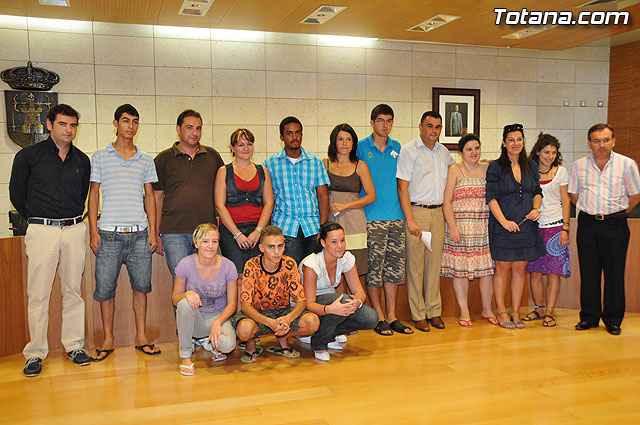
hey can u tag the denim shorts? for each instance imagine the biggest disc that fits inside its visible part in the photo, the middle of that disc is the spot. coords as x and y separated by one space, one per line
116 249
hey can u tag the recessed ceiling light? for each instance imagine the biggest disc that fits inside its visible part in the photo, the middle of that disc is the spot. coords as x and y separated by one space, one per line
322 14
195 8
528 32
55 2
433 23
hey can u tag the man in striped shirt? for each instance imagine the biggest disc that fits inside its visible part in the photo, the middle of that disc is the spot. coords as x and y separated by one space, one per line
125 234
300 188
605 186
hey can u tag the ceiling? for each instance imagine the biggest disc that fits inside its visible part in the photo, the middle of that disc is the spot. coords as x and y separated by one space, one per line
383 19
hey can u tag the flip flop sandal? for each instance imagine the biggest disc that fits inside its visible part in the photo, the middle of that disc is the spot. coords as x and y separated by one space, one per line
286 352
218 356
98 352
187 370
528 317
383 326
149 346
251 356
519 324
490 319
465 323
549 323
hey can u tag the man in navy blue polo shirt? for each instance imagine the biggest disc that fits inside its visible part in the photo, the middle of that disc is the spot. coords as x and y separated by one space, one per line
385 221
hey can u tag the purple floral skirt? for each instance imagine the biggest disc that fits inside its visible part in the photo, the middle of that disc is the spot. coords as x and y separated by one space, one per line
556 260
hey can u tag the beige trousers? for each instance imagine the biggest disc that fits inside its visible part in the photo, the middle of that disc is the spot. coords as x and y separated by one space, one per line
423 266
47 248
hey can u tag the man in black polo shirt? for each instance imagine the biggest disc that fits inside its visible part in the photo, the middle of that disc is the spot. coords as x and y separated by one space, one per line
184 190
49 185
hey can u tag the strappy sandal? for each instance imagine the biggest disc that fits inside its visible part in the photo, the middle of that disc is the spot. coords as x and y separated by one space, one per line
549 321
533 314
508 324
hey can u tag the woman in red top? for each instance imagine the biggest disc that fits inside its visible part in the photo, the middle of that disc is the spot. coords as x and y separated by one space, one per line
244 201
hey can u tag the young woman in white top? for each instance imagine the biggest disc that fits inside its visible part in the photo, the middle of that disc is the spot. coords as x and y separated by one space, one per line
554 229
339 313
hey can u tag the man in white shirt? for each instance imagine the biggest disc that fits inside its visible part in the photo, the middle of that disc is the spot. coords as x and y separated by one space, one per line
422 175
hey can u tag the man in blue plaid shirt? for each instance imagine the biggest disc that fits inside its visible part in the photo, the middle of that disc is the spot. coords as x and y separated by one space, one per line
300 188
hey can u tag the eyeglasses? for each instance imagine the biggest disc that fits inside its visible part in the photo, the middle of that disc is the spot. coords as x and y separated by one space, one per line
513 127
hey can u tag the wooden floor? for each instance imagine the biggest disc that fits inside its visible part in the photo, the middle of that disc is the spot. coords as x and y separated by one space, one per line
483 375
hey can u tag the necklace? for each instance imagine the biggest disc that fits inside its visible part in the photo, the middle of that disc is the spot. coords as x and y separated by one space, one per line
545 172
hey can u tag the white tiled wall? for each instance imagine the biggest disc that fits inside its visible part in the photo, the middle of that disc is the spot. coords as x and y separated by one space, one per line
254 79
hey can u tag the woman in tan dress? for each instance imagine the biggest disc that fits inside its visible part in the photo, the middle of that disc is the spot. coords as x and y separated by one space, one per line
351 189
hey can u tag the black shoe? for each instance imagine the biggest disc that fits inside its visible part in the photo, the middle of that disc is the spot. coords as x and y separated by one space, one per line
79 357
33 367
583 325
614 330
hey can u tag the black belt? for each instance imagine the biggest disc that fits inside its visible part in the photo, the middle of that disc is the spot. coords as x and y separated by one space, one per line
60 222
431 207
601 217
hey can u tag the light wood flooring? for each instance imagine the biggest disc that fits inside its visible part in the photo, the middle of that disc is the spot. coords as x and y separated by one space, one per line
482 375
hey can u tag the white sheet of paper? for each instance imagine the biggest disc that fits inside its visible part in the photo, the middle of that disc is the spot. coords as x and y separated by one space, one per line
426 239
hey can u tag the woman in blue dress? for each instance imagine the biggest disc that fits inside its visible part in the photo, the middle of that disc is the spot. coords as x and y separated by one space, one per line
514 197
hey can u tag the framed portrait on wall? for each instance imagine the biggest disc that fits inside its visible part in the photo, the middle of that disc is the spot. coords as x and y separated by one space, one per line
460 110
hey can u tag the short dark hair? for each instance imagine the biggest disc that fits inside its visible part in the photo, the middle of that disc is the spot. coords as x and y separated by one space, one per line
288 120
599 127
543 141
466 139
381 109
333 148
270 231
188 113
432 114
125 109
62 109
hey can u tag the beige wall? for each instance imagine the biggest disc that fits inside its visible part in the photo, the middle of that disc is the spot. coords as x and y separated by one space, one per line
250 79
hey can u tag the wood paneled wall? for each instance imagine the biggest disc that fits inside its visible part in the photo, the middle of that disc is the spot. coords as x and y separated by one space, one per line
624 98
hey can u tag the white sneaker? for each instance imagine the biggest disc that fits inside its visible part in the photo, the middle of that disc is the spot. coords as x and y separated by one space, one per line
305 339
334 346
204 343
325 357
341 338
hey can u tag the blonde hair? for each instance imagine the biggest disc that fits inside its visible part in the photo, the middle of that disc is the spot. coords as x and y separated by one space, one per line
202 230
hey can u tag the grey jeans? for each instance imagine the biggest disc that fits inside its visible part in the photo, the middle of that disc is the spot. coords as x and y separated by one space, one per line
194 324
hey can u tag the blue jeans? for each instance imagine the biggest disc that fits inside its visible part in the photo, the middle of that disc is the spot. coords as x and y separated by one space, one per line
116 249
176 247
332 325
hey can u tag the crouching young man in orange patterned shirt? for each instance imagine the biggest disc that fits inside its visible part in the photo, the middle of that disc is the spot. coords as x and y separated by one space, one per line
270 283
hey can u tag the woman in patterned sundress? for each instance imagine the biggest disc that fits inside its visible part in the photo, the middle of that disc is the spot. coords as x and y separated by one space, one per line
554 229
466 255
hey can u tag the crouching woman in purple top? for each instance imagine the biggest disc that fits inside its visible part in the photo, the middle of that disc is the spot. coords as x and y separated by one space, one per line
206 295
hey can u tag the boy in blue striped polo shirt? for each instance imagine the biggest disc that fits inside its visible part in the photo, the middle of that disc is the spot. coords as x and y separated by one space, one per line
125 233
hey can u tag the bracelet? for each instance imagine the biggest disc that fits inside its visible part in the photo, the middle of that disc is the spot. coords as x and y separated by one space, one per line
324 309
565 230
236 235
258 229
